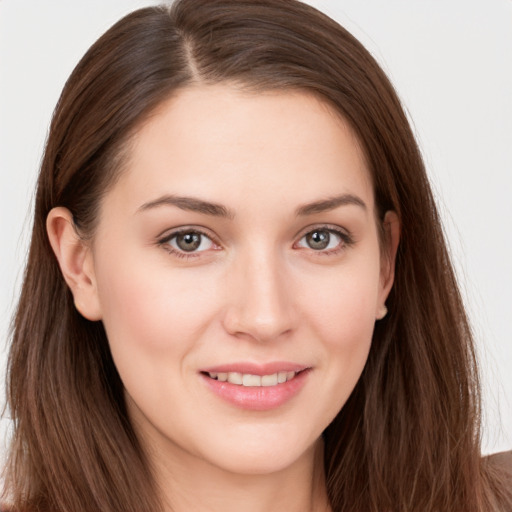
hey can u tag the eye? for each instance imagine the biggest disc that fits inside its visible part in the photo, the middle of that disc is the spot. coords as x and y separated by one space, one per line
187 242
325 239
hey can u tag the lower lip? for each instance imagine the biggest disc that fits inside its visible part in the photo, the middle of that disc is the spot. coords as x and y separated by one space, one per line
257 398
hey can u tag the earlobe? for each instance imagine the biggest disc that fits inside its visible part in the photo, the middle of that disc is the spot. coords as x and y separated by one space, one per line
382 312
75 260
391 227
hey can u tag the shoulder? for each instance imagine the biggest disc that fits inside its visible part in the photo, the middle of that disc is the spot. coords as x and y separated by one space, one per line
498 470
501 461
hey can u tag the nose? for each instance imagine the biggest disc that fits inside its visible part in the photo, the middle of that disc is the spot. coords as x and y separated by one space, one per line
260 302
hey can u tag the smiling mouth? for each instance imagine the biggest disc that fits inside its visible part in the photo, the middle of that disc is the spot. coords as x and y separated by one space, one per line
255 388
250 380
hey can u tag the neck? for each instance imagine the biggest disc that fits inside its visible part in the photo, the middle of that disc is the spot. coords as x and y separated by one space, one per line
199 486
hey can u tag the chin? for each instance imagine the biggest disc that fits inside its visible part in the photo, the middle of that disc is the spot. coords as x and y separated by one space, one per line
263 456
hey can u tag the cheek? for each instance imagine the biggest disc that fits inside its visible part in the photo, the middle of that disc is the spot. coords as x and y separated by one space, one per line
341 314
147 309
343 308
155 320
346 324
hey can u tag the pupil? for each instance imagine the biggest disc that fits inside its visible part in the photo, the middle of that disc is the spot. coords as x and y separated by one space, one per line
188 241
318 239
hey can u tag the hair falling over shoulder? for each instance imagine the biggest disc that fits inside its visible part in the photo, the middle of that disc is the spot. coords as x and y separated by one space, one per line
408 438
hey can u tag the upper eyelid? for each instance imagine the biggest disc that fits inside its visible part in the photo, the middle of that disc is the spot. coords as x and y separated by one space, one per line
168 234
327 227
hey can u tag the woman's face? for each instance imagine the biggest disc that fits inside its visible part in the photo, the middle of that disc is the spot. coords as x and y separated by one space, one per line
240 243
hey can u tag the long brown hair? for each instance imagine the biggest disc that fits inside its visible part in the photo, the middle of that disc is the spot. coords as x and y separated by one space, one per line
408 437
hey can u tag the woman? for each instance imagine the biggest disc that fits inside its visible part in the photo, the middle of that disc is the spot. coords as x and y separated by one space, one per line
229 300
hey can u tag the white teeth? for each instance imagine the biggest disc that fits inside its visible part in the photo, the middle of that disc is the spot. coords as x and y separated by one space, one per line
249 380
269 380
235 378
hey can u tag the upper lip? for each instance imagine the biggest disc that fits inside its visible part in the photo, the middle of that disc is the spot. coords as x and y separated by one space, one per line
256 368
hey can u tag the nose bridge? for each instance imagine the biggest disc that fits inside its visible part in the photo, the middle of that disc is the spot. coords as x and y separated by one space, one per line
260 304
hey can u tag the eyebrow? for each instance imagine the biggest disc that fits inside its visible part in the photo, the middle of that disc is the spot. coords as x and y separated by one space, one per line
190 204
331 203
194 204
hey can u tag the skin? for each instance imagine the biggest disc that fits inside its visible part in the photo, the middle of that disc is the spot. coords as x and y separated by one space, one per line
254 291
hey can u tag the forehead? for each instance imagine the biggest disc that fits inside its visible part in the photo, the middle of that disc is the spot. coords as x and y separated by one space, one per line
222 141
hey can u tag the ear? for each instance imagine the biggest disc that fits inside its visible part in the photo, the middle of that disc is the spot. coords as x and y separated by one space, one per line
391 228
75 260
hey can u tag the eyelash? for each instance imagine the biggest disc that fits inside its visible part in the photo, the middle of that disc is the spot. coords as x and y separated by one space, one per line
165 242
346 241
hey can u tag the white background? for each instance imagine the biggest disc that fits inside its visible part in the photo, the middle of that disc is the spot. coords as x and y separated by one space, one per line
451 64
